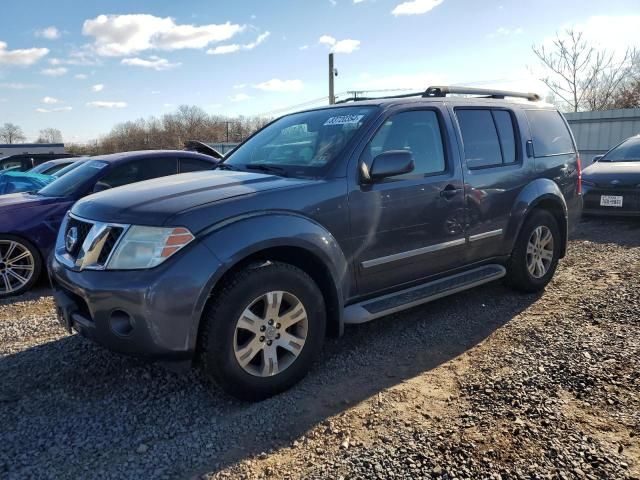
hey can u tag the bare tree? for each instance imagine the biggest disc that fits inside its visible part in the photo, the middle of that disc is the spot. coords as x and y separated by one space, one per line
579 74
11 133
49 135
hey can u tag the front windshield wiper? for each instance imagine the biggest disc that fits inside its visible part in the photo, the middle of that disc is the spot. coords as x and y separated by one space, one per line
268 169
224 166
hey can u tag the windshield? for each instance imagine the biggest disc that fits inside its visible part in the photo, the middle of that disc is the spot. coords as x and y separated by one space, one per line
627 151
302 144
74 180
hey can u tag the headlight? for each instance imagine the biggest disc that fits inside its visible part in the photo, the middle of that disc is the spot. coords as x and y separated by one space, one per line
147 247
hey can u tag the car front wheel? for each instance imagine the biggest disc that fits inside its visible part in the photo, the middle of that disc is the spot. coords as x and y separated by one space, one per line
263 330
20 265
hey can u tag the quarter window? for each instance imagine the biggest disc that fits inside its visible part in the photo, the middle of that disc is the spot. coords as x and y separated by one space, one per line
417 131
488 137
549 133
194 165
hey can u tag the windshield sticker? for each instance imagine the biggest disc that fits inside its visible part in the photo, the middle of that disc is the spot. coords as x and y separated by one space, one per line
344 120
98 165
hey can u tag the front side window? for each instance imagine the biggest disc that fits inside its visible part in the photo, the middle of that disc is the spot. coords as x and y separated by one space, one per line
627 151
417 131
302 144
488 136
549 133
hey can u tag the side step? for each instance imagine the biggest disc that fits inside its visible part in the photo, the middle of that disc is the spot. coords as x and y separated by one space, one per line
395 302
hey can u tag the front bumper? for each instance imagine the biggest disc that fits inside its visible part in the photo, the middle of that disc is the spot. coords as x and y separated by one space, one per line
630 205
151 313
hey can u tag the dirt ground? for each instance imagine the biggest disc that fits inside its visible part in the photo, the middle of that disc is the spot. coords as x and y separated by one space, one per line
486 384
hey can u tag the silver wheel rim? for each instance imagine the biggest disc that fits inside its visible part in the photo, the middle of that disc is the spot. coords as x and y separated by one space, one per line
16 266
540 252
270 334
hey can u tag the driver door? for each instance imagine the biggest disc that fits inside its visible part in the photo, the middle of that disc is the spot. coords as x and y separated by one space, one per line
409 227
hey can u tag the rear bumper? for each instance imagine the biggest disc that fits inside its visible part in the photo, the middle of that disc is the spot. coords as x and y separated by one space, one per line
151 313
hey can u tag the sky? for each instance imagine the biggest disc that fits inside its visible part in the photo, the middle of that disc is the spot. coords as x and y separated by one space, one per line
83 66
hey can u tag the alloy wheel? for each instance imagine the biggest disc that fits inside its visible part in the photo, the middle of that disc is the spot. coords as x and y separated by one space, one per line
270 333
17 266
540 251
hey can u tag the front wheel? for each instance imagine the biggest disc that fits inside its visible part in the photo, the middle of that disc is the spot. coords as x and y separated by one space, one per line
535 256
20 265
263 330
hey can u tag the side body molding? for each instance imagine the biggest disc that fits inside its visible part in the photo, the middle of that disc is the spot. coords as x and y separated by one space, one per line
235 239
536 192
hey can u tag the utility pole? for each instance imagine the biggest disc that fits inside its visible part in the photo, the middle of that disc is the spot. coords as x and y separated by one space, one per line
332 97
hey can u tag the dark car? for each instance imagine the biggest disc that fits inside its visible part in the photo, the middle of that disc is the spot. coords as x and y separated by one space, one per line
51 167
29 222
327 217
612 182
27 161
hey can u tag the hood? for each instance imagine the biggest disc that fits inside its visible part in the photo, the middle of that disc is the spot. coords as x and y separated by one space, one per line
155 201
625 174
24 200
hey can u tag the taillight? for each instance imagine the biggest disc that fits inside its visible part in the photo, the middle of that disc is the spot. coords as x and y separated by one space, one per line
579 184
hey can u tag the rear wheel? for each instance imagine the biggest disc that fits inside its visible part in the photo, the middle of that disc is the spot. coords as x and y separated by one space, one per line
537 251
262 331
20 265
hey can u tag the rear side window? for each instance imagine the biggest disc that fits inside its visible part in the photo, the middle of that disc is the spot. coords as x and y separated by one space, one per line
549 133
488 136
139 170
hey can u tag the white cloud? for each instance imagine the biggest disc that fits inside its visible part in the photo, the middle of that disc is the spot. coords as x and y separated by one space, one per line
239 97
101 104
239 86
18 86
54 72
80 76
505 32
155 92
225 49
156 63
167 105
340 46
120 35
303 47
98 87
415 7
50 33
611 32
22 57
277 85
54 110
51 100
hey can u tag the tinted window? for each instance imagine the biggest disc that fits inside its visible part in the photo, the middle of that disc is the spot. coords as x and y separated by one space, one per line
194 165
74 180
549 133
417 131
480 138
627 151
139 170
506 132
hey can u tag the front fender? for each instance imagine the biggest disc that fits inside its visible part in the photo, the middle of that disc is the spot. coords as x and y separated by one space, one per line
540 191
233 240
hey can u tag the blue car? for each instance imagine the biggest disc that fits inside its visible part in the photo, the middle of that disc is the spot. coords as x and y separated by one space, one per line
16 182
53 166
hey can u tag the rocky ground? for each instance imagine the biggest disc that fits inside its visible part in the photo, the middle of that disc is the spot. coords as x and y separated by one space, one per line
487 384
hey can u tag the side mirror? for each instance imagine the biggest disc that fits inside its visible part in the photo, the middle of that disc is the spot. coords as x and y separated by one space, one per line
390 164
597 158
101 187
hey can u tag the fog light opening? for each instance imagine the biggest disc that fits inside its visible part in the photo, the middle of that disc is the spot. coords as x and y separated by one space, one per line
121 323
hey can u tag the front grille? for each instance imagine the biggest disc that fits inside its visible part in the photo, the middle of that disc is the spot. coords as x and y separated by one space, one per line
83 229
109 243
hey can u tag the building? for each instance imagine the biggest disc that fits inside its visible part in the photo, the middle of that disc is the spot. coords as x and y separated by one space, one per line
7 149
597 132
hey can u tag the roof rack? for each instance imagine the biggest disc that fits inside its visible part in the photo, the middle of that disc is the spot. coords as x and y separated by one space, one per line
444 90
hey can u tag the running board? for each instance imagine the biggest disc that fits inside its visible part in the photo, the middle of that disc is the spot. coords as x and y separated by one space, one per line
395 302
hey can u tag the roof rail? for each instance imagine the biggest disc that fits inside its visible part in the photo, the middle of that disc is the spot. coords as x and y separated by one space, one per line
444 90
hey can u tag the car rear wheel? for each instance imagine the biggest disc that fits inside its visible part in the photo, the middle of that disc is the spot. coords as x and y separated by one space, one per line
262 330
537 251
20 265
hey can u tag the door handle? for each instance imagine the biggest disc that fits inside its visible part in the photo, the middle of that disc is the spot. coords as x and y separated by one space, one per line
449 191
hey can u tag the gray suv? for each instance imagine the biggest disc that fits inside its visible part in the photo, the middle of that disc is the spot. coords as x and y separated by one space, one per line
323 218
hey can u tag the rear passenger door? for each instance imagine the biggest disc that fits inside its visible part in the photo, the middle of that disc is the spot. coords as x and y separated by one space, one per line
410 226
495 172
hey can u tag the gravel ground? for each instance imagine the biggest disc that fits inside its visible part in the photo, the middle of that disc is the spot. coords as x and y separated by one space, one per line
487 384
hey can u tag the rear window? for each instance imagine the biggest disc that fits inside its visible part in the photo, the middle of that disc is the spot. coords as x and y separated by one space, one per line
549 133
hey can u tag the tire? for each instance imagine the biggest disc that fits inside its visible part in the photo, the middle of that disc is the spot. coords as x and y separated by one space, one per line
20 265
226 346
519 274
